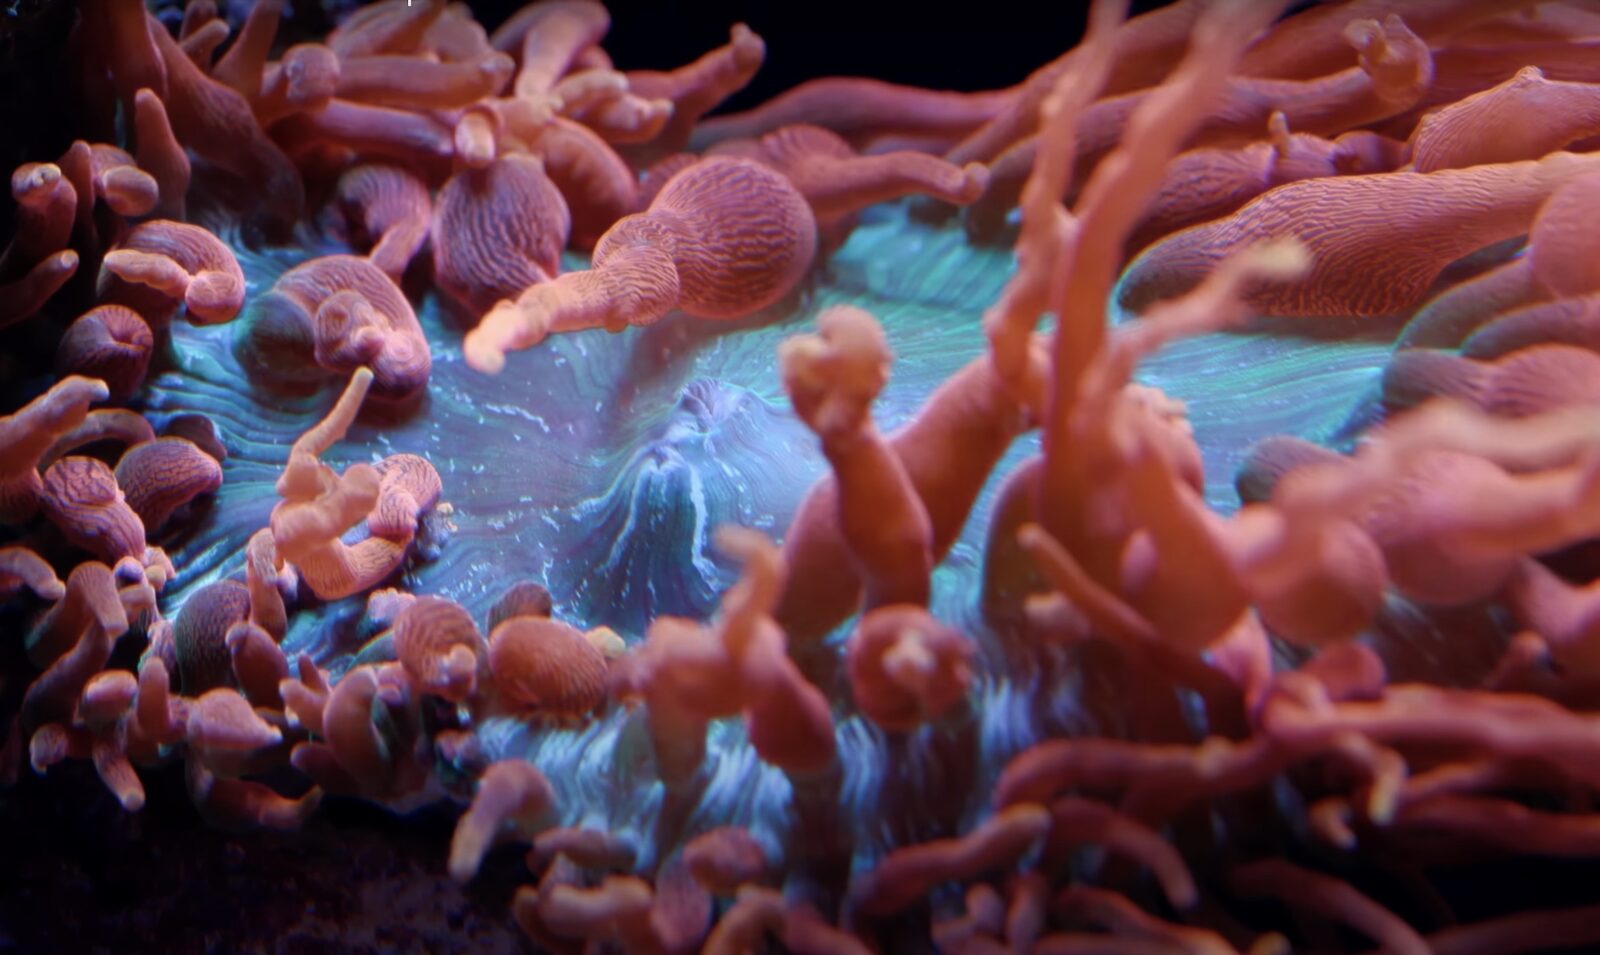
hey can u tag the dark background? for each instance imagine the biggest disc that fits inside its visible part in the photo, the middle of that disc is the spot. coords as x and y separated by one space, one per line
983 46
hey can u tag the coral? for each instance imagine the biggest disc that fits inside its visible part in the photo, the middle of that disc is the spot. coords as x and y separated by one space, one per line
332 316
387 209
440 647
37 262
319 505
1393 70
1444 216
158 477
199 636
722 239
906 667
838 183
1209 183
304 81
946 452
510 791
1522 118
22 568
1548 283
860 110
125 188
27 435
1139 54
695 89
688 675
160 264
26 295
1528 381
72 643
373 132
598 187
832 379
216 122
46 203
111 343
413 81
546 665
81 497
497 231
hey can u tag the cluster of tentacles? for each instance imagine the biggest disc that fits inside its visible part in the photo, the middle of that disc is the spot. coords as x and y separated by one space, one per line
1200 169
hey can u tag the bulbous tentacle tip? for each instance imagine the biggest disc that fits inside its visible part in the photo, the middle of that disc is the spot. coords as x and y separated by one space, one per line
367 342
974 182
80 389
311 75
505 327
482 355
214 297
348 330
32 178
476 139
25 296
749 49
129 190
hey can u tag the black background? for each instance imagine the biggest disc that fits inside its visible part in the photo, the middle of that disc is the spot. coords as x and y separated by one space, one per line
962 46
